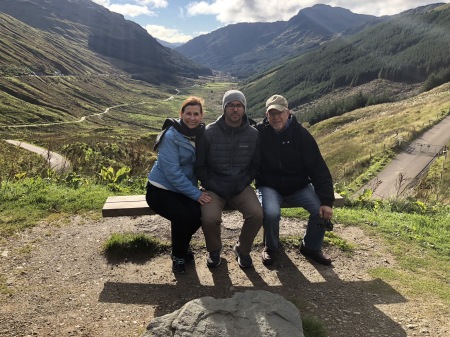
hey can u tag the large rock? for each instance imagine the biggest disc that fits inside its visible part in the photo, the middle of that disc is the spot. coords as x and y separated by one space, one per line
250 314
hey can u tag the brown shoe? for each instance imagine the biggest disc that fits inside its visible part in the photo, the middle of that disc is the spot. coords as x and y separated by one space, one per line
268 256
316 255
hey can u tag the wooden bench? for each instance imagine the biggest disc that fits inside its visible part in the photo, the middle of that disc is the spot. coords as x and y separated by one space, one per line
135 205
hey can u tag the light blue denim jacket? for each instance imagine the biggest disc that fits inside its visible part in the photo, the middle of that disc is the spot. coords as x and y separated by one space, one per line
174 168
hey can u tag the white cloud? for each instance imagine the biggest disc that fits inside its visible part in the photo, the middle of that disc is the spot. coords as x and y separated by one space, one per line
154 3
131 10
181 12
186 16
167 34
104 3
232 11
380 7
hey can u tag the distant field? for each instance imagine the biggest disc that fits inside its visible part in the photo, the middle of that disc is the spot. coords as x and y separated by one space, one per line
355 145
122 136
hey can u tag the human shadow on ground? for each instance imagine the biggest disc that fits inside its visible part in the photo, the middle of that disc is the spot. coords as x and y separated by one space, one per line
341 305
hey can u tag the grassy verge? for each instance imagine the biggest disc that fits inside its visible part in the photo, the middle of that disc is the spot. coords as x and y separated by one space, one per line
435 186
32 200
419 241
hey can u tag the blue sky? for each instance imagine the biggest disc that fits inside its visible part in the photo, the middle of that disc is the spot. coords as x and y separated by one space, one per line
179 21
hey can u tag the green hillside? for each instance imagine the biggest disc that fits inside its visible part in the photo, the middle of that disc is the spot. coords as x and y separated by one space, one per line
25 50
359 143
408 48
63 27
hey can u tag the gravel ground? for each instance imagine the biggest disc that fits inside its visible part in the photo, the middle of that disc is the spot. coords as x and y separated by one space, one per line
58 283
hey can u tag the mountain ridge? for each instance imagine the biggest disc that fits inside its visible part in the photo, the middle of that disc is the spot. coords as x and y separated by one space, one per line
409 48
245 48
58 46
123 43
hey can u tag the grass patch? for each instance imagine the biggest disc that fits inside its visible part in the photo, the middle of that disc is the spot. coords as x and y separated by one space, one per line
31 200
4 289
415 284
435 186
429 230
134 246
313 327
415 233
331 238
290 241
420 243
25 250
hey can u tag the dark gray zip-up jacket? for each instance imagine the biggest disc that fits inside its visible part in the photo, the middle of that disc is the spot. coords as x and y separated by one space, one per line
227 158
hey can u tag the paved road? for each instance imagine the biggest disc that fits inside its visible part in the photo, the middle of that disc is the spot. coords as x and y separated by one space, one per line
55 160
411 162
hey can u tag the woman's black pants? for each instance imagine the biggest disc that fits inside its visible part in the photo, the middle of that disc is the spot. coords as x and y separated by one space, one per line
183 213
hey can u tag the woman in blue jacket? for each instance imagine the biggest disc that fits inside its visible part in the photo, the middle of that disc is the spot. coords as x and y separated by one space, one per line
172 189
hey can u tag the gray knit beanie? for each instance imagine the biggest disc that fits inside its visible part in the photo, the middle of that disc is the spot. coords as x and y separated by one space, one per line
233 95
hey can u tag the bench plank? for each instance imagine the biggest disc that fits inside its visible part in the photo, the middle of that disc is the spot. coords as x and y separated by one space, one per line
129 205
136 205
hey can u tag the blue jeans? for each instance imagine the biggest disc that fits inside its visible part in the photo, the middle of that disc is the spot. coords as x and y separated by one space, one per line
306 198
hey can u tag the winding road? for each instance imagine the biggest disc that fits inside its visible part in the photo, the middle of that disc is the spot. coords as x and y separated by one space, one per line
82 119
410 163
55 160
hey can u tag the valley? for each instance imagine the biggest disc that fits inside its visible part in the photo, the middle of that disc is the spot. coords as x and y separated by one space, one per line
81 81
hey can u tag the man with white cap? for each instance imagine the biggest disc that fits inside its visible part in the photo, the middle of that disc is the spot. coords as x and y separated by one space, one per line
292 171
228 158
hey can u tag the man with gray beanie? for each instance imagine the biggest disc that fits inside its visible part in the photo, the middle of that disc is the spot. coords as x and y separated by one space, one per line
228 158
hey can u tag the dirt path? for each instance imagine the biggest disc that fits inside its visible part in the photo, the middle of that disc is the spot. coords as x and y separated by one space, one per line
80 120
61 285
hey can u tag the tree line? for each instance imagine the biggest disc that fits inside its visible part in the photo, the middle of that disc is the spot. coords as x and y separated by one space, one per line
410 48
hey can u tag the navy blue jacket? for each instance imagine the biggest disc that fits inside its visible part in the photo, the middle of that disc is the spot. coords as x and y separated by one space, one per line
291 159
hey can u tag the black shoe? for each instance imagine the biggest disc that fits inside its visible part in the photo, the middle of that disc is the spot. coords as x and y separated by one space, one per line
178 265
213 259
316 255
189 257
267 256
244 261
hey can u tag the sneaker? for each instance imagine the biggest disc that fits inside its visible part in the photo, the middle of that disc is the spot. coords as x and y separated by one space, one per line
245 261
189 257
316 255
268 256
178 265
213 259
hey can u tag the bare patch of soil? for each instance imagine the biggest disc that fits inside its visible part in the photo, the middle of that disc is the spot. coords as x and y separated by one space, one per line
60 284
